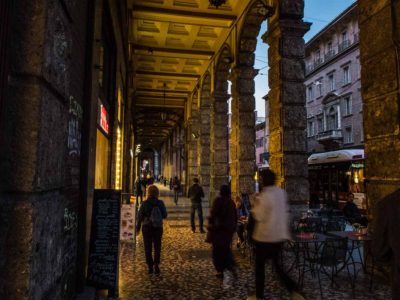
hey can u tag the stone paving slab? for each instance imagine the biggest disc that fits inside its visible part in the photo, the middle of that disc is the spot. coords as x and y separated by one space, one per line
187 273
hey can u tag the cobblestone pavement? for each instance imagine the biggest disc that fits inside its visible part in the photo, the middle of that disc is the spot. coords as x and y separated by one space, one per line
187 271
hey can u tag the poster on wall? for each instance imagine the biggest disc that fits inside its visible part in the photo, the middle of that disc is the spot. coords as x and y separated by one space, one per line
128 221
104 240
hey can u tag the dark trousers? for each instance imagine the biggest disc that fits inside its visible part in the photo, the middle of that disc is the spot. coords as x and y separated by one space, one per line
240 232
272 251
152 236
222 257
196 206
176 196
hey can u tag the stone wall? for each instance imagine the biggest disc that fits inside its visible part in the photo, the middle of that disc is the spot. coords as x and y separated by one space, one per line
381 95
40 158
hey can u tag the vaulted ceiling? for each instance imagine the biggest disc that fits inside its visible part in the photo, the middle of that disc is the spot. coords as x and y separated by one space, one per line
172 43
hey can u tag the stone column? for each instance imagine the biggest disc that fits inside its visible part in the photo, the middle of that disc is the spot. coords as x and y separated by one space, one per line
233 139
287 115
381 96
243 122
219 142
192 160
203 145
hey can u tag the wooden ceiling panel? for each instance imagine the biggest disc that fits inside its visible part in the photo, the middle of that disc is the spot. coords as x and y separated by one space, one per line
173 42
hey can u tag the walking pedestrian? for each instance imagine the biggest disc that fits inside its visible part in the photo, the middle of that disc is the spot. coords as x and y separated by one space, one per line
176 185
386 237
221 227
150 219
243 214
195 194
270 211
138 190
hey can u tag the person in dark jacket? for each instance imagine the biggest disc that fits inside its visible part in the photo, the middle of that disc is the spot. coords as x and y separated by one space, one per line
386 237
242 213
176 185
221 226
352 213
195 194
139 190
151 235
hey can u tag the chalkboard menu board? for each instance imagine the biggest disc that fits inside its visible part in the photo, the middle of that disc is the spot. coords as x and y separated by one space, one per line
104 240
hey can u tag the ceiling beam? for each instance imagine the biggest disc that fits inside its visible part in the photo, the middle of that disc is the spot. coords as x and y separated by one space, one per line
156 105
162 91
183 13
168 75
156 50
157 97
155 16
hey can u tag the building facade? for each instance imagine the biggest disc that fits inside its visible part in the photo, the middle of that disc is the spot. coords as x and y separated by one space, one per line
333 86
261 147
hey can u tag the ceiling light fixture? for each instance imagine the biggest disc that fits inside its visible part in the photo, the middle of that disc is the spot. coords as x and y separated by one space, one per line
217 3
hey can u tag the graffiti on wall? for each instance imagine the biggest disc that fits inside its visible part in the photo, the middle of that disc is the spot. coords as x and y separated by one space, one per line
70 220
74 128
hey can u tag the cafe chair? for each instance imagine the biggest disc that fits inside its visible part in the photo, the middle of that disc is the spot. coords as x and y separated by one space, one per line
335 224
333 260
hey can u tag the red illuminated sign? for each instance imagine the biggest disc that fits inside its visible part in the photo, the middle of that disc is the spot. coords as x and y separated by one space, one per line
104 118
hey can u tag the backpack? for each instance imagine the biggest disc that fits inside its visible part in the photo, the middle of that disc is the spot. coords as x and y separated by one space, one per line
155 218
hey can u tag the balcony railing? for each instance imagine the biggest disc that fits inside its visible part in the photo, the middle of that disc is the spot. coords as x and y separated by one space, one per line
329 54
318 62
333 134
344 45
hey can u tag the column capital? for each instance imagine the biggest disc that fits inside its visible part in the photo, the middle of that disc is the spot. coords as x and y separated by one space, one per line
288 27
243 72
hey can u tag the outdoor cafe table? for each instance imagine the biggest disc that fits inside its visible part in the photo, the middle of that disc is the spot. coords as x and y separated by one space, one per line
356 239
305 247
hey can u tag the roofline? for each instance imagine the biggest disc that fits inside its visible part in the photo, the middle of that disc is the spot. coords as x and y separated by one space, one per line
340 16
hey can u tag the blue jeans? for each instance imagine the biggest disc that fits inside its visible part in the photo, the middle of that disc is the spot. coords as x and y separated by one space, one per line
196 206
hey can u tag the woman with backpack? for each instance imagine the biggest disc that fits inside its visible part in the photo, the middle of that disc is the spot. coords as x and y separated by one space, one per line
150 219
